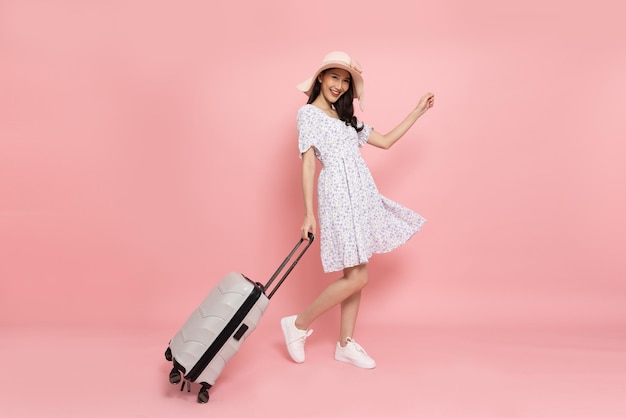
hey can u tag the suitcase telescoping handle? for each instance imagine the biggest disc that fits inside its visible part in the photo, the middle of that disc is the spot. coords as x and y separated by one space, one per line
284 263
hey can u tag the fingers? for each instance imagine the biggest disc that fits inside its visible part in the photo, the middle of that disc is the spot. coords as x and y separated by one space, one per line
429 99
305 231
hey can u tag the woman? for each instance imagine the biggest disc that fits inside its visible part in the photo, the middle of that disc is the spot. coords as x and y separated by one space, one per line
355 220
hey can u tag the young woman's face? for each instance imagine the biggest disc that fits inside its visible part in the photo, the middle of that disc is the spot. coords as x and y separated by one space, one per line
335 82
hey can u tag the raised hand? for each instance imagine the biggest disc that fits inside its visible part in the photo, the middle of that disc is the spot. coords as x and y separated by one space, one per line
426 102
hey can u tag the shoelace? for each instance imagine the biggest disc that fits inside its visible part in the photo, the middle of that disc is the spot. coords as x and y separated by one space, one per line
300 340
355 345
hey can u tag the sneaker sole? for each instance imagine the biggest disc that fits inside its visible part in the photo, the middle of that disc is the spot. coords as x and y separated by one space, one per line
359 365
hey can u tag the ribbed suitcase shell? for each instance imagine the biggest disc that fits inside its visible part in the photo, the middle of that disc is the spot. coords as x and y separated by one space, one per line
209 320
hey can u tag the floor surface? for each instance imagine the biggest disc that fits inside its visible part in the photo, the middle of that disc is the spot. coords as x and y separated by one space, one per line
435 372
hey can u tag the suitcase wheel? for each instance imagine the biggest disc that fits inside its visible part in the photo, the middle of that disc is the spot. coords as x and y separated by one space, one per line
203 395
174 376
168 354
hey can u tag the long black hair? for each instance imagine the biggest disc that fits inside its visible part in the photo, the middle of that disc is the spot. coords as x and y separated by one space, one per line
344 105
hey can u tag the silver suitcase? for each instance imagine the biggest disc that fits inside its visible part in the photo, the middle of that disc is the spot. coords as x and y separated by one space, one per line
217 328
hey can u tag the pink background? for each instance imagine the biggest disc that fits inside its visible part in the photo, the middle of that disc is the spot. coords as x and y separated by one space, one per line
149 147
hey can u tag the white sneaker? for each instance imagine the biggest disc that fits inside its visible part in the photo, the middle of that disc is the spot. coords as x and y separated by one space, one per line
354 354
294 338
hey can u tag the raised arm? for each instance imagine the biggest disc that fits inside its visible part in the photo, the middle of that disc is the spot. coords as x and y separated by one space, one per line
308 184
385 141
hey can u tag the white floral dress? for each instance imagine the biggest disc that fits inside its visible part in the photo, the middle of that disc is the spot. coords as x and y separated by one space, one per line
355 220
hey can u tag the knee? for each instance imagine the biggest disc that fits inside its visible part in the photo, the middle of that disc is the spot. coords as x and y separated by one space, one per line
358 277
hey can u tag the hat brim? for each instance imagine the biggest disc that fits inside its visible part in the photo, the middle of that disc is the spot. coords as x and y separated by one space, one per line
357 80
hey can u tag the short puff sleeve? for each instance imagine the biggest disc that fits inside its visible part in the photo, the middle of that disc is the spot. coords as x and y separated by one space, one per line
364 134
308 133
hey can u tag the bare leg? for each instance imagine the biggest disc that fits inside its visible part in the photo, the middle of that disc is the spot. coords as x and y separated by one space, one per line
349 312
348 288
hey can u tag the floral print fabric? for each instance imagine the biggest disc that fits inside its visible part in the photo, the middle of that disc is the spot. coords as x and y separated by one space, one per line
355 220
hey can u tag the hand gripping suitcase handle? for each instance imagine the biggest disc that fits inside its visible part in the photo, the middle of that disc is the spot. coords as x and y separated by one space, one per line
284 263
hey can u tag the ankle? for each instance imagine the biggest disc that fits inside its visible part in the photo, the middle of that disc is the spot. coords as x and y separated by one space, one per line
300 324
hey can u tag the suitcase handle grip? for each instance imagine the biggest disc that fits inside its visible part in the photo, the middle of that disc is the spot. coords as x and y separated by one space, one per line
291 267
